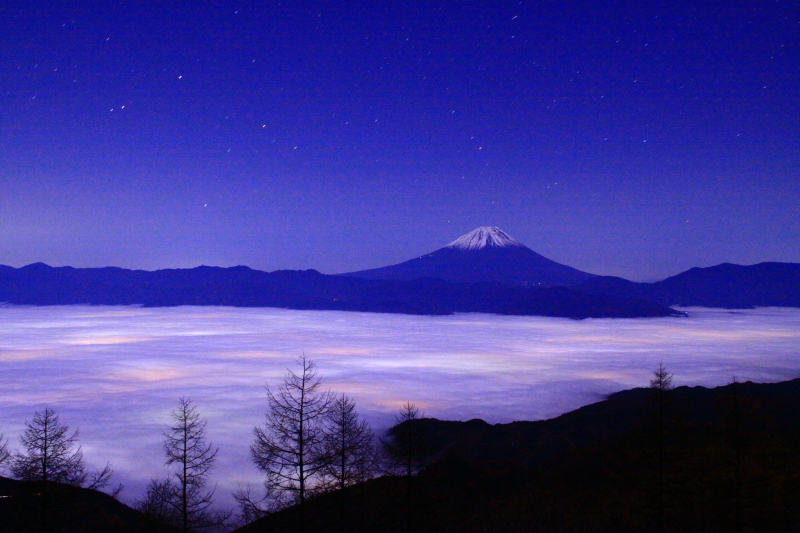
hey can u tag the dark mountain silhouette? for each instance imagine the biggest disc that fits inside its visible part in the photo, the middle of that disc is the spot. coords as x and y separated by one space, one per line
70 510
490 254
483 271
532 444
730 464
39 284
726 285
484 254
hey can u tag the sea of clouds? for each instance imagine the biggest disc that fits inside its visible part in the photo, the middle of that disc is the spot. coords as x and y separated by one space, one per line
117 372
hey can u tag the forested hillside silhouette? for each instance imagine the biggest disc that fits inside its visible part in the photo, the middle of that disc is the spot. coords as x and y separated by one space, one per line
652 459
647 460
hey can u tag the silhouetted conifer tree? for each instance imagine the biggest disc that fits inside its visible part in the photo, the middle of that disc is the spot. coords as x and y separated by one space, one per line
4 453
405 451
52 454
289 449
349 449
182 498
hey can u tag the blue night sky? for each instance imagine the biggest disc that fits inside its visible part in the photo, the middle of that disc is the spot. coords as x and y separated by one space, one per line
625 138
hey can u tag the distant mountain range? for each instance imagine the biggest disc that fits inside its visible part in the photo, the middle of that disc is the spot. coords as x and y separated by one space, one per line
490 254
726 285
483 271
39 284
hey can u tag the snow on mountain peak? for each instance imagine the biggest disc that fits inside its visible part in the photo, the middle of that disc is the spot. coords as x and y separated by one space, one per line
483 237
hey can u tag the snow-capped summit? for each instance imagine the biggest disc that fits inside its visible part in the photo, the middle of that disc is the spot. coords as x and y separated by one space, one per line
483 237
486 254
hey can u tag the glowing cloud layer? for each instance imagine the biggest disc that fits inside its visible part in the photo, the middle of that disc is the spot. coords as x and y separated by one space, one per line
117 372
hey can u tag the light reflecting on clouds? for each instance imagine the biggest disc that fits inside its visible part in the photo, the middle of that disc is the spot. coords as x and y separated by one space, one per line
117 372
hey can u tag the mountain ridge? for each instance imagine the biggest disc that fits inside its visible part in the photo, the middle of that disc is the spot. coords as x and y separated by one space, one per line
484 254
490 254
594 468
39 284
727 285
485 270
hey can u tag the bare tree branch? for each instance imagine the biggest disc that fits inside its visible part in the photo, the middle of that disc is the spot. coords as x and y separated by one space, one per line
349 445
4 453
289 449
52 453
182 499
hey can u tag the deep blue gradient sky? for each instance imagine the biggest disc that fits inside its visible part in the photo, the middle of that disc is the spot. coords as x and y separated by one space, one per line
626 138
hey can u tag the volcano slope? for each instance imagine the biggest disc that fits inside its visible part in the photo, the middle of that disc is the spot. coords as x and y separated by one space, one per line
484 254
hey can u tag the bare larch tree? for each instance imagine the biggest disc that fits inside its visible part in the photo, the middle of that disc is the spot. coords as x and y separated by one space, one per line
349 449
4 453
289 448
52 454
185 446
406 451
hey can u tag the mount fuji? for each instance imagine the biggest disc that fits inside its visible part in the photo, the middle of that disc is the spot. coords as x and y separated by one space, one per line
484 271
484 254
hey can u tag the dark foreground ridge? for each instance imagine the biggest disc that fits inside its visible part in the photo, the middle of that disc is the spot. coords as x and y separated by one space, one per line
40 284
70 510
729 457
